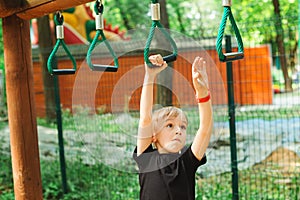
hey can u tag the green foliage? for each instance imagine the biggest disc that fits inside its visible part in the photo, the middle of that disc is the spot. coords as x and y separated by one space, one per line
1 47
270 114
195 18
106 184
101 182
201 18
44 122
83 121
127 14
2 125
6 181
253 184
3 112
259 28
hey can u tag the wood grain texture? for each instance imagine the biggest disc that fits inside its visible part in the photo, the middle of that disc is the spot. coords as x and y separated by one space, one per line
28 9
21 109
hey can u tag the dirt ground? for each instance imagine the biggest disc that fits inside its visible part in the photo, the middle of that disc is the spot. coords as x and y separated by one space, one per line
283 162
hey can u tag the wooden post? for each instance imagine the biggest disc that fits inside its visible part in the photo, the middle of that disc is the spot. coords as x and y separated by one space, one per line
21 109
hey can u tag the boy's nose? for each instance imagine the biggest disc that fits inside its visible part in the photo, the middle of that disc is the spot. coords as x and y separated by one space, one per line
178 130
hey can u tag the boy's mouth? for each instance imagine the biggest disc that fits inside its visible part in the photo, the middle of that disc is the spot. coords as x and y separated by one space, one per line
176 139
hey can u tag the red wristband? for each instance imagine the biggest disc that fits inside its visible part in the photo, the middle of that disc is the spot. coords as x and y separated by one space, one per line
204 99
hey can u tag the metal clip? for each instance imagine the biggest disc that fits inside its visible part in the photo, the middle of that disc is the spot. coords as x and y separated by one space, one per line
155 11
59 32
227 3
99 22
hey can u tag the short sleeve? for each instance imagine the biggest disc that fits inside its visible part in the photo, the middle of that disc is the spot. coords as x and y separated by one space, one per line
191 161
136 157
147 160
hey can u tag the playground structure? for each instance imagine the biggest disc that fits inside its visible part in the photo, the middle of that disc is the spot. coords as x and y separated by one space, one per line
23 127
19 83
79 27
20 94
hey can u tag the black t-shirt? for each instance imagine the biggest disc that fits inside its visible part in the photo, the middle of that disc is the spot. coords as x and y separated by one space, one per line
167 176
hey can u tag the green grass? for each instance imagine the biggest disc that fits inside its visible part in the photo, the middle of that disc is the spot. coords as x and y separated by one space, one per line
102 182
254 183
2 124
85 182
6 181
98 181
88 182
268 114
86 122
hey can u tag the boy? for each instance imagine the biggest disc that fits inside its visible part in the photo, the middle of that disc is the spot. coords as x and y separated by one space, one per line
166 167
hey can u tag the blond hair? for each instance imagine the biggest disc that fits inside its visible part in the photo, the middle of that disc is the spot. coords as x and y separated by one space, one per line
163 114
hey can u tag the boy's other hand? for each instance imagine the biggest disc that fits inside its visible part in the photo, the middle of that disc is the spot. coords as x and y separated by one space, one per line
199 75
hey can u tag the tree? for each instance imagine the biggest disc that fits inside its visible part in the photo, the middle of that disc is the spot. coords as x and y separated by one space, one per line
277 26
280 43
128 14
195 18
201 19
165 78
1 47
124 15
45 46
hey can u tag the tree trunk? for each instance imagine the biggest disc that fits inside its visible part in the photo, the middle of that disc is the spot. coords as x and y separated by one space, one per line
179 19
124 15
293 56
165 78
46 45
280 43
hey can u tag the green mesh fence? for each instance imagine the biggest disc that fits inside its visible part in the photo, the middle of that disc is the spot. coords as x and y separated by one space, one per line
99 142
267 146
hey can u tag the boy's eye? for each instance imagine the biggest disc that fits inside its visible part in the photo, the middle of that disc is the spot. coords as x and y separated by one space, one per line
183 127
169 125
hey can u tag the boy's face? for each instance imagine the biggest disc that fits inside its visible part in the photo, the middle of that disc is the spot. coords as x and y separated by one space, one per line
172 136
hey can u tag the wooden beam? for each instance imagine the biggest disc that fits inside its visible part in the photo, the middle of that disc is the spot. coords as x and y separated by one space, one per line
10 7
50 7
28 9
21 108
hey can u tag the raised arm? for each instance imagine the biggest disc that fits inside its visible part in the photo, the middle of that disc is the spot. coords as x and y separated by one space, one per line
200 83
145 131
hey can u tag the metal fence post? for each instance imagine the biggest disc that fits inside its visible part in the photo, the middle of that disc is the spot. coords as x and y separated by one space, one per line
60 134
231 112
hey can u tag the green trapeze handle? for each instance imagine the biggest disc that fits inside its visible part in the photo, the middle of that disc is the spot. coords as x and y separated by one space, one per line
100 67
99 32
58 19
228 57
156 23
